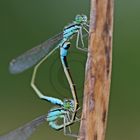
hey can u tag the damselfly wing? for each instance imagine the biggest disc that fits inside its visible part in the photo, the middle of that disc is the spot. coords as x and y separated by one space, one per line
32 56
25 131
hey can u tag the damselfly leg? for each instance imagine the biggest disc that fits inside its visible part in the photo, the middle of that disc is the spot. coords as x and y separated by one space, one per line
80 35
68 132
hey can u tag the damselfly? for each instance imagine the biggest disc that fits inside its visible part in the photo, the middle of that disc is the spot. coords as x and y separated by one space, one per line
67 109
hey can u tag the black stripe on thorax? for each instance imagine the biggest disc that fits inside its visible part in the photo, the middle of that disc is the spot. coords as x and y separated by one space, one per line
72 25
57 109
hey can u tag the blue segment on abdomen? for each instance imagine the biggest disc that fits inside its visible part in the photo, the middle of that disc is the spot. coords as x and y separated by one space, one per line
64 49
53 100
63 52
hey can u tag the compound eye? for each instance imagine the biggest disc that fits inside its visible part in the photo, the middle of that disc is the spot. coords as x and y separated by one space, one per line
72 103
78 18
84 17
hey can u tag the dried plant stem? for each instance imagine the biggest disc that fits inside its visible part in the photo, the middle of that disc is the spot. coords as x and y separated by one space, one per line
98 72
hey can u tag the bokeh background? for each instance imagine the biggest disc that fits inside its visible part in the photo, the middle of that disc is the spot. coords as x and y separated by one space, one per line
26 23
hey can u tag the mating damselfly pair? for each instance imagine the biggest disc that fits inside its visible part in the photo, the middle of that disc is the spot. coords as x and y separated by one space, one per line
66 110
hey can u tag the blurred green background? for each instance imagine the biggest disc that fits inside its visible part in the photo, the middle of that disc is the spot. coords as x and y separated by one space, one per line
26 23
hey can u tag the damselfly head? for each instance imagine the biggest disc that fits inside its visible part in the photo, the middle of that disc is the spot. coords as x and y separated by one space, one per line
81 19
68 104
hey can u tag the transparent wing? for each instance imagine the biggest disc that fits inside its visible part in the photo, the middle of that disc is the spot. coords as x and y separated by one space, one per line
25 131
32 56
